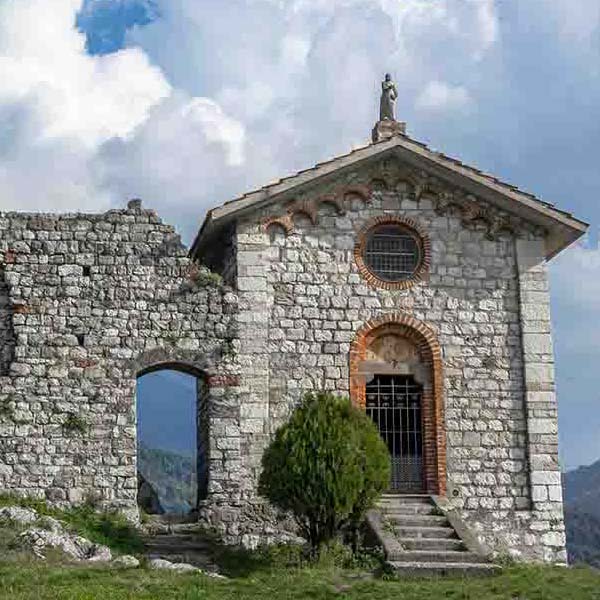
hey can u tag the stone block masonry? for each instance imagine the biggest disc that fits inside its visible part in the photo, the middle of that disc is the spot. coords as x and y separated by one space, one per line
489 313
88 302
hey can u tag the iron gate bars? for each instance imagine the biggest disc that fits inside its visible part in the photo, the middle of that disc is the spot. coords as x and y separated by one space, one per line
394 404
391 253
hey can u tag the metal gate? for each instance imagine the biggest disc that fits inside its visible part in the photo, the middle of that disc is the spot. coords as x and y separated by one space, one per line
394 404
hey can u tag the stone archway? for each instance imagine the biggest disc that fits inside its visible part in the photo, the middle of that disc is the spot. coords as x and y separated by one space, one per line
398 344
192 365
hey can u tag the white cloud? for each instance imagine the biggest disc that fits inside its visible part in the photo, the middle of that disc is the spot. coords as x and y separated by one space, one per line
213 98
575 291
73 95
303 76
187 152
441 96
578 19
60 107
488 22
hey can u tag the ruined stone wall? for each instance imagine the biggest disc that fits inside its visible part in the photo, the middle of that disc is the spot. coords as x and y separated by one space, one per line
302 271
87 302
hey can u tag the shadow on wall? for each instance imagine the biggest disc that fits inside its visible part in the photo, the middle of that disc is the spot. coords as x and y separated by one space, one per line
7 333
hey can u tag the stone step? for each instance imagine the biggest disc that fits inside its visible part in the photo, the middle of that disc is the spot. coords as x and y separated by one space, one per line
177 548
396 498
416 520
174 546
437 556
176 537
420 531
409 509
181 548
176 543
419 569
400 505
424 543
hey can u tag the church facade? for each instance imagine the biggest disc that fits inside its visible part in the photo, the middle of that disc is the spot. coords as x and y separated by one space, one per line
396 275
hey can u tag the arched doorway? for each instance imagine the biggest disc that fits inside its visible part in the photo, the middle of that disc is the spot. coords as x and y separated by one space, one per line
172 439
396 377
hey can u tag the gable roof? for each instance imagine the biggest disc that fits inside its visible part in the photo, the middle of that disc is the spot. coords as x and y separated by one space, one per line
562 226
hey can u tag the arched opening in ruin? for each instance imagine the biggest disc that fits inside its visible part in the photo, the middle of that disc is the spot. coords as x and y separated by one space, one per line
396 377
172 439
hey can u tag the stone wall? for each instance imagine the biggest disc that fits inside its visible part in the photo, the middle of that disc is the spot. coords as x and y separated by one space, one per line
91 302
302 270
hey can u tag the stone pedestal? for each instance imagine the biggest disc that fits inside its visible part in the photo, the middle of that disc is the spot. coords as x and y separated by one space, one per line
384 130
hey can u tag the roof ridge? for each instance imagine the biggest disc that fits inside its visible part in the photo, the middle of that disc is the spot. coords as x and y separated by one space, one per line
400 141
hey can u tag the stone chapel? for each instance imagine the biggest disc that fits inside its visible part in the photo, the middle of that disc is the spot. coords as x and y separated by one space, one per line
393 274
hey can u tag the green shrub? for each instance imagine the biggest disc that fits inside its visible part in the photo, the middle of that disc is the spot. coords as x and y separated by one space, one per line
327 466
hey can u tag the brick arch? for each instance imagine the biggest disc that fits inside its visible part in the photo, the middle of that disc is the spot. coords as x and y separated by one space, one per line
420 235
430 354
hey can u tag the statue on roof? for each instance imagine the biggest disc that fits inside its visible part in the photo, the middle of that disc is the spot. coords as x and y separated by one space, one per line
389 94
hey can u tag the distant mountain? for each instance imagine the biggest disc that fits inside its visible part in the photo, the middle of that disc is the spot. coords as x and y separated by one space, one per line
582 514
172 476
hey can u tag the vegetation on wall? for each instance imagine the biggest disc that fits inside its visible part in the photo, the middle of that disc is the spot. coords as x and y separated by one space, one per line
74 424
326 465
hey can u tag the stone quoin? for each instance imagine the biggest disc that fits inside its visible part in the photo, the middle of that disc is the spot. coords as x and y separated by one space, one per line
392 265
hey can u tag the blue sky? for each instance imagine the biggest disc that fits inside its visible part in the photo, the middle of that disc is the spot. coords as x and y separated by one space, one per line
187 103
166 411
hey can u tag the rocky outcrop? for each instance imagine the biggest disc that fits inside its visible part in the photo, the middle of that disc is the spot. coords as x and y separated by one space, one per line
18 514
126 562
48 532
162 564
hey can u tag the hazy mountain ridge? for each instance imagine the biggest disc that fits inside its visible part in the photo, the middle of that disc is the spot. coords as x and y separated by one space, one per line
582 513
172 475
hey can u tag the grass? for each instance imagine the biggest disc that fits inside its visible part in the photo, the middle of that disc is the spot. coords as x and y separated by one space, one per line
276 573
29 582
106 528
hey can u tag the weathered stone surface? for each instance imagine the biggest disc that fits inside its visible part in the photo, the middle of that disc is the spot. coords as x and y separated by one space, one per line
160 564
75 547
17 514
87 303
126 562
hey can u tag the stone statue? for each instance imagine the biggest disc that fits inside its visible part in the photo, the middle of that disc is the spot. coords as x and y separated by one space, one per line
389 94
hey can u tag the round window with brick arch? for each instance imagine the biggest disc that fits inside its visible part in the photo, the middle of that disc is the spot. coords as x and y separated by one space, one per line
392 253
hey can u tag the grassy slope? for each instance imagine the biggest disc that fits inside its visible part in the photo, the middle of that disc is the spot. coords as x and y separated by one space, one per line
77 583
105 528
266 575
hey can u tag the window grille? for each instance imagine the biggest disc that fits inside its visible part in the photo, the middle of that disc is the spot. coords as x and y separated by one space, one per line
391 253
394 404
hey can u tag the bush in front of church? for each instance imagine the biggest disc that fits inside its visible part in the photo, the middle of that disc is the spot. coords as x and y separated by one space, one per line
327 465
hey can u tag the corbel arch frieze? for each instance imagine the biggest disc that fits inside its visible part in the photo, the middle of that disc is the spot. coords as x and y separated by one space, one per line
385 176
309 207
